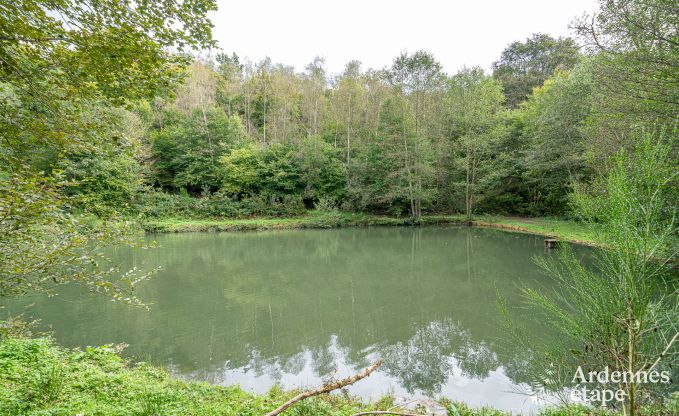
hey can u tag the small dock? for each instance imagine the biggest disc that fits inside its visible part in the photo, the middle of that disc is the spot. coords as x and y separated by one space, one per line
551 243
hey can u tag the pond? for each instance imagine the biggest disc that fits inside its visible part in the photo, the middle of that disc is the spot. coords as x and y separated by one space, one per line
294 307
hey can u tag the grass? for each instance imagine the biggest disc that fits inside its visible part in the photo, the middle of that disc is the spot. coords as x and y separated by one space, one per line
567 230
97 381
37 377
314 219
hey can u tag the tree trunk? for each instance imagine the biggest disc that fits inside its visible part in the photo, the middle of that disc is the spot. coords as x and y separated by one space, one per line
413 212
349 131
265 120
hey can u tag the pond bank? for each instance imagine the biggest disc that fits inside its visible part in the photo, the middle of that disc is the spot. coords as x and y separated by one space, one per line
40 377
566 230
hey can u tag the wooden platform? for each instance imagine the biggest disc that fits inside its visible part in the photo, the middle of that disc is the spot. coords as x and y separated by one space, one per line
551 242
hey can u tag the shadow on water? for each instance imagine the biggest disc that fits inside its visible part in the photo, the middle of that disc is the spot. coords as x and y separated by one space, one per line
292 307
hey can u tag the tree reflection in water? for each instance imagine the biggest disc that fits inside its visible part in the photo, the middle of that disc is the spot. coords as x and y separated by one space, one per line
292 307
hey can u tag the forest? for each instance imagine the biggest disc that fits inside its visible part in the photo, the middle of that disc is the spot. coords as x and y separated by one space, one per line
226 137
116 113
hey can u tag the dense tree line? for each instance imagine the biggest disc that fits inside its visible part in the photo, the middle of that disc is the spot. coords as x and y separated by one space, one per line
252 138
400 140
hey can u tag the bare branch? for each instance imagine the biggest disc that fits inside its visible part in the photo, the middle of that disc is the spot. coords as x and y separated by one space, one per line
326 388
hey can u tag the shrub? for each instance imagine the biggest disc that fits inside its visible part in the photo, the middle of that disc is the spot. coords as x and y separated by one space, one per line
155 204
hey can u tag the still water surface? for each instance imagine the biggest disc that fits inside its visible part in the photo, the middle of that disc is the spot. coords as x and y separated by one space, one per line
292 307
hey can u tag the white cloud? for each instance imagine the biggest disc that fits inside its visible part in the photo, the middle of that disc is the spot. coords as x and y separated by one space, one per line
459 33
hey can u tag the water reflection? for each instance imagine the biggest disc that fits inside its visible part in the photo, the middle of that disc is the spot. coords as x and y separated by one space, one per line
292 307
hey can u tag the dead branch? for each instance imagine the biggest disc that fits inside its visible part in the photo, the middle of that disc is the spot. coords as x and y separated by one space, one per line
326 388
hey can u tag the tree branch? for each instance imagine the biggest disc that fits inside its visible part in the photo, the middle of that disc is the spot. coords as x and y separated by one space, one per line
326 388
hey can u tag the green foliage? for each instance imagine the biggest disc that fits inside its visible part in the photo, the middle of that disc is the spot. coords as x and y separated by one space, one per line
154 205
312 219
325 204
322 173
43 246
107 175
241 171
50 384
460 409
416 80
475 127
577 410
65 67
634 207
280 174
116 49
369 178
58 60
187 149
408 138
526 65
98 381
309 170
554 146
622 313
105 185
636 70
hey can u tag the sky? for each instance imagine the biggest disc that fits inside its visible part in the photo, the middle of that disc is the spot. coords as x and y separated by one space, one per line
458 32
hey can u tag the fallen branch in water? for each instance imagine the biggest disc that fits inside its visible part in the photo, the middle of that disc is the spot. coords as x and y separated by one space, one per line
326 388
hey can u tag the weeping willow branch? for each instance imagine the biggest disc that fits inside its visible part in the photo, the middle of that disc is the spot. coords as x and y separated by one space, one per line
326 388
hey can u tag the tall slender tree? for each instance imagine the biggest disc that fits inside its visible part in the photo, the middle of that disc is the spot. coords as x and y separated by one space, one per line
475 110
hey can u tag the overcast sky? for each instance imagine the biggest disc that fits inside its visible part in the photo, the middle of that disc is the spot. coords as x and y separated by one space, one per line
458 32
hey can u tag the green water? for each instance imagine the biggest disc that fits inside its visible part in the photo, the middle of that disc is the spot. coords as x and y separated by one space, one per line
291 307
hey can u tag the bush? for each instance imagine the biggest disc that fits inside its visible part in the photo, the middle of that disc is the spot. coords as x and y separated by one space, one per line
155 204
325 204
